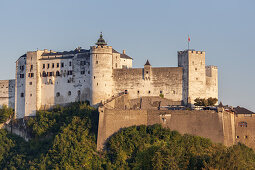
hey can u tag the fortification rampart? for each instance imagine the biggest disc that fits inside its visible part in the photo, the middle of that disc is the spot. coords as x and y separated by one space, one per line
7 93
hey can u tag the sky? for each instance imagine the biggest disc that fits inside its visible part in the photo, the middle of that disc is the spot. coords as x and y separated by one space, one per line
146 29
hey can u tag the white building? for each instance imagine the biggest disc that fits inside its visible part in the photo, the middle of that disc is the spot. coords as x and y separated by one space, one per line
46 78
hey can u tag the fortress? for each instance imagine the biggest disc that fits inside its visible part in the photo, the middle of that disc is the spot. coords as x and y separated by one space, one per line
45 78
126 96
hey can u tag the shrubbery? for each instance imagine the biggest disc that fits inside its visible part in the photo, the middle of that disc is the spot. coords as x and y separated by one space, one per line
5 113
65 138
205 102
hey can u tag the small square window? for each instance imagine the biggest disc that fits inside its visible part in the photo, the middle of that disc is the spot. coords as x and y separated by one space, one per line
62 64
21 94
30 83
52 65
237 137
48 66
43 66
69 93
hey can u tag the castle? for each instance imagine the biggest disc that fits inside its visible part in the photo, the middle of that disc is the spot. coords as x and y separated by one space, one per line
45 78
126 96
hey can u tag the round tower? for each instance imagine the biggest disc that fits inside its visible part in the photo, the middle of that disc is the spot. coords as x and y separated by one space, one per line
101 71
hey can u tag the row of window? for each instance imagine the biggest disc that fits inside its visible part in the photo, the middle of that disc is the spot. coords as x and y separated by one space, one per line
53 65
69 93
57 94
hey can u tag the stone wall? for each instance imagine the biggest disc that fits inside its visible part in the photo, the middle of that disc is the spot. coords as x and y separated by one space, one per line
7 93
211 82
152 82
209 124
112 120
245 129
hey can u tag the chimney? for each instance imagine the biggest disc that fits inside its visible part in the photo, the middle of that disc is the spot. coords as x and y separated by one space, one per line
124 52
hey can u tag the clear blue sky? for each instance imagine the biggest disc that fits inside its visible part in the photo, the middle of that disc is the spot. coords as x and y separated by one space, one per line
147 29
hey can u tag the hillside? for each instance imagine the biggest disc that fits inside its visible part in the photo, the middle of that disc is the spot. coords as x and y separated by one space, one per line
65 138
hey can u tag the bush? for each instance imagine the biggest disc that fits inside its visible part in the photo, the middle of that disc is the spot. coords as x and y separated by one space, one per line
5 113
205 102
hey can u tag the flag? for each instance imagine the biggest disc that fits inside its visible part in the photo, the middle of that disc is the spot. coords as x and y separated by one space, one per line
188 38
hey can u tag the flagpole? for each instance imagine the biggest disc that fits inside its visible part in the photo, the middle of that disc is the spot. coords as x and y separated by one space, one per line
188 42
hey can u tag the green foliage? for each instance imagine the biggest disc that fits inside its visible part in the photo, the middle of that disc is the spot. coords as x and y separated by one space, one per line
205 102
65 138
161 95
5 113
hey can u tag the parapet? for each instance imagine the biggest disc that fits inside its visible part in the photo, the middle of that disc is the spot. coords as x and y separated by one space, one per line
211 67
190 51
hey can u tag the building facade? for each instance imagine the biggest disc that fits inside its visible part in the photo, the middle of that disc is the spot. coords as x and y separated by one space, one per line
45 78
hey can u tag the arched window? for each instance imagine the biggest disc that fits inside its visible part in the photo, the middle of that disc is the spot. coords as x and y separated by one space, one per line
242 124
57 94
57 73
69 93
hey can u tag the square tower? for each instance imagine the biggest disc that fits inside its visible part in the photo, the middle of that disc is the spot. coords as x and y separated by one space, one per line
194 74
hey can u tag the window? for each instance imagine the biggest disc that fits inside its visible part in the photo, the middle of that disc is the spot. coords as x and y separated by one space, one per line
196 69
57 94
50 74
88 72
62 64
138 92
83 63
21 94
245 137
43 66
44 74
116 65
57 73
96 62
69 93
94 77
50 81
242 124
52 65
70 72
30 74
147 72
57 65
30 83
30 95
237 137
82 72
31 67
149 92
160 92
21 68
21 75
48 66
70 63
79 92
196 78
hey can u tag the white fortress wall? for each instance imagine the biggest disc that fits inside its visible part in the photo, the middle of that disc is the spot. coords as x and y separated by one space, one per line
20 85
211 81
7 93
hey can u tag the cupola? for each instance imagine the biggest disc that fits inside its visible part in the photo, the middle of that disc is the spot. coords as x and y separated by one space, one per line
101 42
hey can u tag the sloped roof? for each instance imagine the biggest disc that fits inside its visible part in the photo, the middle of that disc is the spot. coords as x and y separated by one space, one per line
242 110
121 55
66 52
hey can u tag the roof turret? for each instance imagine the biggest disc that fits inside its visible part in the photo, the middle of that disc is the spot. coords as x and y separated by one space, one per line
147 63
101 41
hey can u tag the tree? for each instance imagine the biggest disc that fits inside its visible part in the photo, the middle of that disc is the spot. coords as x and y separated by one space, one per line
205 102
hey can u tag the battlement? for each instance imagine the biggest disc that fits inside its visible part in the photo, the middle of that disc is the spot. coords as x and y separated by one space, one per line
100 47
211 67
190 51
